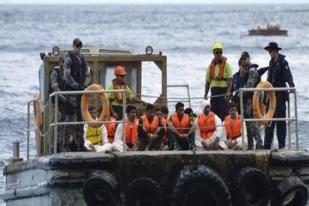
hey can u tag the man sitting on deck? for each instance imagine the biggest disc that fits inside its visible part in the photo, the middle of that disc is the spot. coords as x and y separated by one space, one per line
231 131
149 132
180 132
131 127
96 137
207 129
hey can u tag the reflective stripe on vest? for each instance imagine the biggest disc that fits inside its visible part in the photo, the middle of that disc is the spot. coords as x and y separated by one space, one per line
183 125
221 69
94 135
232 127
118 95
131 132
111 128
207 125
150 127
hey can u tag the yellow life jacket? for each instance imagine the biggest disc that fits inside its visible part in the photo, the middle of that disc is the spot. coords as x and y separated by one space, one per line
94 135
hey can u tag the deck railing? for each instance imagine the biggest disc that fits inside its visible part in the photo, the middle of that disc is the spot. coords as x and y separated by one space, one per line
289 119
55 124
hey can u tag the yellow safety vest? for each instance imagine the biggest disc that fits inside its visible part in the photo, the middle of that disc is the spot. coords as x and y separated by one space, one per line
94 135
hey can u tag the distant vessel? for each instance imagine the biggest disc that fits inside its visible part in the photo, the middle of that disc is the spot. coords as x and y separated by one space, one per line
269 31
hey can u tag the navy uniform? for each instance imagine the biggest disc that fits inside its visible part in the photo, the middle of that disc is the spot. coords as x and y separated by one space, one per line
57 84
278 75
77 77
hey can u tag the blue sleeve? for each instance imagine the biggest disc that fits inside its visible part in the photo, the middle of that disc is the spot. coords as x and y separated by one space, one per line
287 74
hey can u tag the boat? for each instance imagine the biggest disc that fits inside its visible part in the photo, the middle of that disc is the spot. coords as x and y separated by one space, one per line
193 177
268 31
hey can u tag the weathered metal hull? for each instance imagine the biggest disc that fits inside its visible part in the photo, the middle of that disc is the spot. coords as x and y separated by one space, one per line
59 179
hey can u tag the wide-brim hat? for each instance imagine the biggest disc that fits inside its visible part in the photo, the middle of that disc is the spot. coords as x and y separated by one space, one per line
272 45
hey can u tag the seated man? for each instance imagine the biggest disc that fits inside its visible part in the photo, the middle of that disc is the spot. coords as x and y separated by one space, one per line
96 137
131 127
192 116
111 129
207 134
180 132
162 114
231 131
149 135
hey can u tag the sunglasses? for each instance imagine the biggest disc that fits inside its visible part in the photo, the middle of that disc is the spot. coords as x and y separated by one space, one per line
78 45
218 52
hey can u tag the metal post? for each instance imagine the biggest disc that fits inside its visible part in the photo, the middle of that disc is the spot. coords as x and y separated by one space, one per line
296 122
242 119
289 122
56 124
16 150
28 131
189 97
124 101
48 137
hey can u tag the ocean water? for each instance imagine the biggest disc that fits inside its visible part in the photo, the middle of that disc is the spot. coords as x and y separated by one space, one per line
185 33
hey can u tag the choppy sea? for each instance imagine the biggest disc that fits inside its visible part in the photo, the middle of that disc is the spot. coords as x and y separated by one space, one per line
185 33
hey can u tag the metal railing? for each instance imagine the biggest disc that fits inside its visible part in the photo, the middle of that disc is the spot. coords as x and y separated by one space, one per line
28 126
55 124
289 119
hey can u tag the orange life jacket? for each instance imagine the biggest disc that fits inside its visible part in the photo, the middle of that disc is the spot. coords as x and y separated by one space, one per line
151 127
221 69
131 132
183 125
163 121
111 128
232 127
207 125
118 95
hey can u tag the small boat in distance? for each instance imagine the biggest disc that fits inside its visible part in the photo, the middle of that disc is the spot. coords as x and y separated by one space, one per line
269 31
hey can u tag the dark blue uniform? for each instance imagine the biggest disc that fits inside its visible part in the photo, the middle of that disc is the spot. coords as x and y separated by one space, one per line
278 74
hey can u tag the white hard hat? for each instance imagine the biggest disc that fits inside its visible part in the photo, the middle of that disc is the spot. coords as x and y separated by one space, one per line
205 103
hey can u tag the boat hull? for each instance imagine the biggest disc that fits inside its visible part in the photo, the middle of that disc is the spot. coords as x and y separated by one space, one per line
60 179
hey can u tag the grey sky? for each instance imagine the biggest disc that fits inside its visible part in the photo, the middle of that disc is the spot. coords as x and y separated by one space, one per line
151 1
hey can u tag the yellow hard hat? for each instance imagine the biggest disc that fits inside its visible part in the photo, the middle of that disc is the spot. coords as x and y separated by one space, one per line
217 45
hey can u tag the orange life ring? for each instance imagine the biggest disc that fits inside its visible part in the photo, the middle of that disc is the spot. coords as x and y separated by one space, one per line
84 105
258 106
38 117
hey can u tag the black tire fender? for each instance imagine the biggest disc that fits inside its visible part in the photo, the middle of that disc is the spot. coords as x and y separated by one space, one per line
290 192
251 187
101 189
201 186
143 191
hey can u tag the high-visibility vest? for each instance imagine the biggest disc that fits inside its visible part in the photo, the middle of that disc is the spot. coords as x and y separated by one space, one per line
152 126
183 125
207 125
94 135
111 128
118 95
131 132
232 127
221 69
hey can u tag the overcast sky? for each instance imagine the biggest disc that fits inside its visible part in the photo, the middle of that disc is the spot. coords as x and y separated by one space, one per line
151 1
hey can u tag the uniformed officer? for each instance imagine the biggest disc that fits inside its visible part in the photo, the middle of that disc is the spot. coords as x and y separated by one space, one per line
278 75
57 84
76 77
